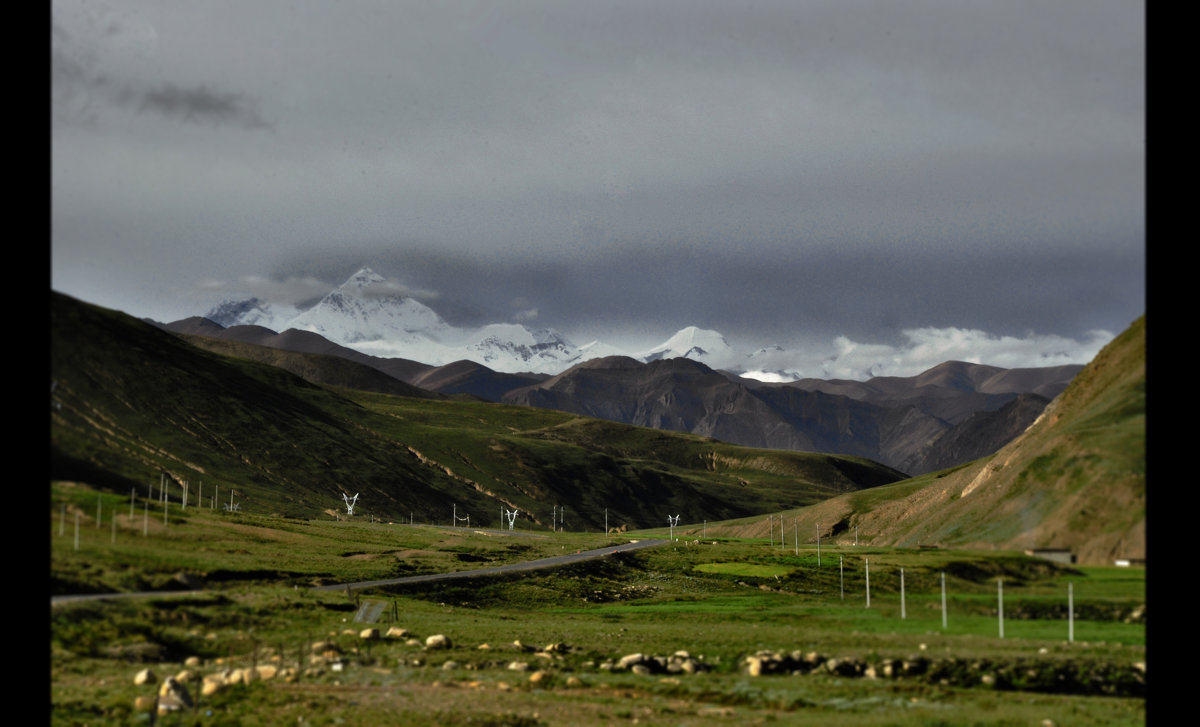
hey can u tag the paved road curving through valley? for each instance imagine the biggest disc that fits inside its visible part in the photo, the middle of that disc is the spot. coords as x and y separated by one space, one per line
531 565
551 562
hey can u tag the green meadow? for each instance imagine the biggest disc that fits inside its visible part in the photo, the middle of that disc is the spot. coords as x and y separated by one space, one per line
250 601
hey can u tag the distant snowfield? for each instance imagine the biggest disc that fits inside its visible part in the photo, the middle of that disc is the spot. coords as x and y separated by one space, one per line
366 314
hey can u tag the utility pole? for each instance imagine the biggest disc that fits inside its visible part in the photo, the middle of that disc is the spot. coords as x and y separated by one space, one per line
842 577
818 545
867 563
1000 599
1070 612
943 600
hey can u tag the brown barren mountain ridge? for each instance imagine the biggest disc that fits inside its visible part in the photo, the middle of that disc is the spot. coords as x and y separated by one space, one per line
951 414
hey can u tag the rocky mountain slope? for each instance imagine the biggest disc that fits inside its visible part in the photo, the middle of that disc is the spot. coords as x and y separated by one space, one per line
1075 479
948 415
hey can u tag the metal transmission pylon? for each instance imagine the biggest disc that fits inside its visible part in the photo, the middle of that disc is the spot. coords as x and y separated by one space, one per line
512 517
673 521
350 502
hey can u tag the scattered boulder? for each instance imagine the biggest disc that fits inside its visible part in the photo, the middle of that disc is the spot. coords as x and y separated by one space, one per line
144 703
678 663
438 641
1036 675
755 666
1137 615
173 696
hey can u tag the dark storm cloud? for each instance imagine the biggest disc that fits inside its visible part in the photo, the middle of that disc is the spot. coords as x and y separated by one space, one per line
82 79
767 169
203 105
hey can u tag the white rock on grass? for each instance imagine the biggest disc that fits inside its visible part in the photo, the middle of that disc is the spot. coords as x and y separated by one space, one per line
438 641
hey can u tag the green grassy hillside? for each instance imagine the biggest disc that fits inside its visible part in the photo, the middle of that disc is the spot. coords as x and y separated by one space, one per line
1075 479
131 402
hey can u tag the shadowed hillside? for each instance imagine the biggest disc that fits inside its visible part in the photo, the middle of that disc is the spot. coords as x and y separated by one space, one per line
132 403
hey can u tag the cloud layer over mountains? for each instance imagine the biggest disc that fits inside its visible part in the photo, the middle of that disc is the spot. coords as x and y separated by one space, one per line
375 316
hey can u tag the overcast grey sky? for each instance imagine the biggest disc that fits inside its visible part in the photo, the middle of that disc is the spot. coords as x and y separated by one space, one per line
782 172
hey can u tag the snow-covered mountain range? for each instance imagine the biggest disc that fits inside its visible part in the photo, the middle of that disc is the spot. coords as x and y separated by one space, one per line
366 314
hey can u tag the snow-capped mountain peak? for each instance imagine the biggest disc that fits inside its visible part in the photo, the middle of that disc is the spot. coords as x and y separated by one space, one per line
692 342
251 312
363 278
365 308
373 315
376 316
